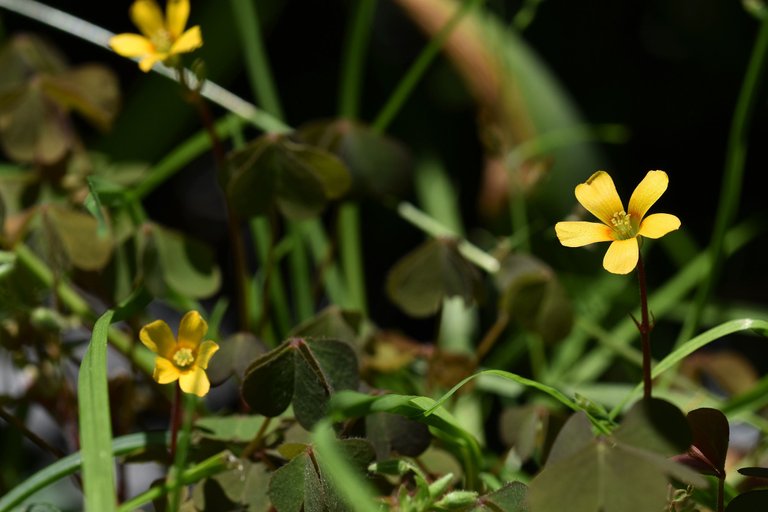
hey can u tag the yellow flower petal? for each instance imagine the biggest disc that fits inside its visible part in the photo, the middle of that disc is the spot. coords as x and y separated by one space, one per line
192 329
165 371
190 40
621 257
577 234
149 61
658 225
176 15
131 45
205 352
647 192
158 338
598 195
195 381
146 15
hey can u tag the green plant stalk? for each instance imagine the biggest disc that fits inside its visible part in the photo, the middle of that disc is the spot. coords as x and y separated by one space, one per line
351 252
320 249
299 264
434 228
182 449
418 68
209 467
183 154
256 61
273 288
519 216
175 419
355 45
730 189
143 359
69 465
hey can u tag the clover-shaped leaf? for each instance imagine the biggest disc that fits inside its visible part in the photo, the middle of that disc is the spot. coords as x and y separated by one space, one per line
420 281
710 442
532 296
77 235
380 166
174 262
275 172
303 372
626 472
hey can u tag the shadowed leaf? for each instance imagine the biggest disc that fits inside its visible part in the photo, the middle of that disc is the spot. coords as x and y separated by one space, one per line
510 498
420 281
78 236
750 501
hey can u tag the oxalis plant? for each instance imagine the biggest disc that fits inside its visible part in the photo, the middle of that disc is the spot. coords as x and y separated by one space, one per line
254 369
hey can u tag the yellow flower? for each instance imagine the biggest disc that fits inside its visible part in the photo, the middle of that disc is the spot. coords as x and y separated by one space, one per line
164 37
185 359
622 228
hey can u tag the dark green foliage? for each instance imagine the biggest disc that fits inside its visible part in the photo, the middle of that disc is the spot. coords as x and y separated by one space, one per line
303 372
436 270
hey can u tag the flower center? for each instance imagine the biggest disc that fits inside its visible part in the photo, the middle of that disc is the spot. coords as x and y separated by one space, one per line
162 41
622 225
183 357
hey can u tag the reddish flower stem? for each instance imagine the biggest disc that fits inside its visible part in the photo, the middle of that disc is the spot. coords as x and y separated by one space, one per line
175 420
645 329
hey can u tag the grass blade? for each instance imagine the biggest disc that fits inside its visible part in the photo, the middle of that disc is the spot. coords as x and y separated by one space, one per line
95 423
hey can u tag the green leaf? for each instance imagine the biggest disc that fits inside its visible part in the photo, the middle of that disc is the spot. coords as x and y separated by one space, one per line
91 90
610 474
379 165
267 386
234 355
510 498
532 296
95 423
420 281
173 260
350 404
244 485
305 372
749 501
656 425
393 434
78 235
331 322
69 465
298 487
234 428
275 172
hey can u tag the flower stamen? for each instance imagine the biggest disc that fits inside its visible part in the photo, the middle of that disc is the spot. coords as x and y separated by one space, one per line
622 225
183 357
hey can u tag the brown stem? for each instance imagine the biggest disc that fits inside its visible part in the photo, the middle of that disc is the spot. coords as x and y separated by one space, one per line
720 493
233 220
256 442
490 338
645 329
39 441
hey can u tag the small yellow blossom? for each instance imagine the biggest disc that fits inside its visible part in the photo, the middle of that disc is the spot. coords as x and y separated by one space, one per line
185 359
163 37
622 228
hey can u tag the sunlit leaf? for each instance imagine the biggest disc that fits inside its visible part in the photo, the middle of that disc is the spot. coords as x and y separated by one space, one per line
78 235
173 260
420 280
622 473
234 428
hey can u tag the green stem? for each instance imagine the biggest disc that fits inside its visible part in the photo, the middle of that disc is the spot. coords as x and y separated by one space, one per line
299 264
322 254
210 466
351 252
519 216
418 68
355 44
182 449
432 227
273 292
730 189
175 420
256 61
258 439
